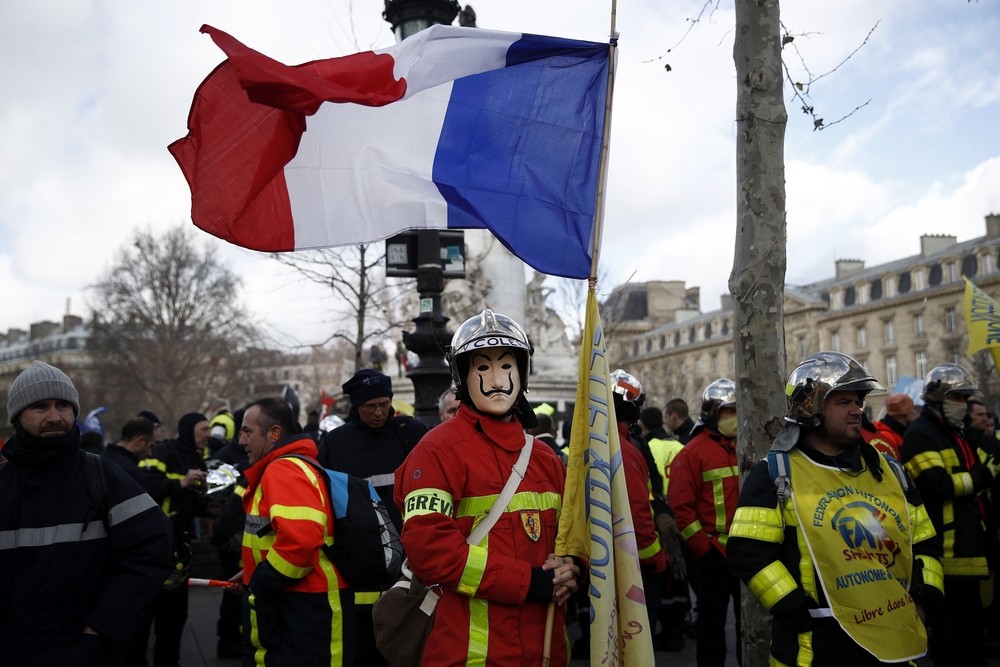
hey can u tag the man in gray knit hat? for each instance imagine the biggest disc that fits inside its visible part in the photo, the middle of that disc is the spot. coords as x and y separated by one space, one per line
83 548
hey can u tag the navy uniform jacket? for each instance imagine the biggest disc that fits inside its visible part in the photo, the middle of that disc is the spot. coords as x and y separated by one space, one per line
63 568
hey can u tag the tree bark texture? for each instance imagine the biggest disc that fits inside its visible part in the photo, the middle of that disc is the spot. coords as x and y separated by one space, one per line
758 277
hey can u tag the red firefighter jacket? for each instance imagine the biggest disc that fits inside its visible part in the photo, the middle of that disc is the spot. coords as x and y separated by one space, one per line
884 438
288 576
448 482
647 540
704 491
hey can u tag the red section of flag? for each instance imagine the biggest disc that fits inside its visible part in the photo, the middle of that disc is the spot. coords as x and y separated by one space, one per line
236 149
363 78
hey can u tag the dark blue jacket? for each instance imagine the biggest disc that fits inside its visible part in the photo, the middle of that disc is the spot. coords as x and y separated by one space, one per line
65 566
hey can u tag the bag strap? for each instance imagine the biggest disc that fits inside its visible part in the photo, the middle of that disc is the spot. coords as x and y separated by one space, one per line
509 489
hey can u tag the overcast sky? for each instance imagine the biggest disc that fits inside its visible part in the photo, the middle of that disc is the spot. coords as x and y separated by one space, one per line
94 91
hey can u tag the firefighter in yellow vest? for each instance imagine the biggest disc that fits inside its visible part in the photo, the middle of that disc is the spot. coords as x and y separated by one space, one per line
829 534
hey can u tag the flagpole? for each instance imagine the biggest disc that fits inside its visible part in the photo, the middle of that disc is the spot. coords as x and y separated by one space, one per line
602 178
602 181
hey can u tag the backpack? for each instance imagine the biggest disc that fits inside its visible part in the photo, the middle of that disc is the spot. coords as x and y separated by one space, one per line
366 548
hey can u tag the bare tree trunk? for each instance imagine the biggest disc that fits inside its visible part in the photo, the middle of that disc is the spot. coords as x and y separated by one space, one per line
758 277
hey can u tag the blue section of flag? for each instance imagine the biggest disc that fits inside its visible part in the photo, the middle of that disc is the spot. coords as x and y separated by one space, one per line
519 152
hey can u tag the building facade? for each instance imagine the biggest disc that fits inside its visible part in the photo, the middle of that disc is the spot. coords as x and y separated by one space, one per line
898 319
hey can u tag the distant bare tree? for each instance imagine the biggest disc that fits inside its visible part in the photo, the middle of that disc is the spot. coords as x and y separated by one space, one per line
367 306
168 329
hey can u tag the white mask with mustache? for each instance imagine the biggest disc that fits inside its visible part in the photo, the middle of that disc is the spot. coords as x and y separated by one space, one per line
493 380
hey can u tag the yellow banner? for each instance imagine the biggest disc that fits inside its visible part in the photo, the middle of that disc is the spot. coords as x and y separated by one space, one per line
982 321
596 522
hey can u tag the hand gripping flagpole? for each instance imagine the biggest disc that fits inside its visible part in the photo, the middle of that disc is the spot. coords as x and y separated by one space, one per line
596 237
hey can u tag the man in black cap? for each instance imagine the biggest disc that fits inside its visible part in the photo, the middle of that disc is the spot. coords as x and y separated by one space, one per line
176 469
83 549
372 444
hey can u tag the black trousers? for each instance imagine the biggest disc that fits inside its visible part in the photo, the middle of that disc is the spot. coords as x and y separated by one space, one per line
169 614
714 588
957 639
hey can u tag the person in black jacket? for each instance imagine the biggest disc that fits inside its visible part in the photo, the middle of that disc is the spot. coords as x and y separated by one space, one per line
136 443
371 445
83 549
176 470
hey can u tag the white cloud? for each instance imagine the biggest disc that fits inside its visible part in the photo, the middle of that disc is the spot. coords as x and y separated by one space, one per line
95 91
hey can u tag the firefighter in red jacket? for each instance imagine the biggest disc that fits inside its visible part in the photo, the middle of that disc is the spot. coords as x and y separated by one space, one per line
628 397
294 613
495 594
704 490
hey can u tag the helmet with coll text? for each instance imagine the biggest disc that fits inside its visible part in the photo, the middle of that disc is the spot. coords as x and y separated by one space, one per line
819 375
628 395
482 331
948 379
717 395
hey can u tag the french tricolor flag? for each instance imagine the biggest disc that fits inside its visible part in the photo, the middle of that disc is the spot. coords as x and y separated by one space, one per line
451 128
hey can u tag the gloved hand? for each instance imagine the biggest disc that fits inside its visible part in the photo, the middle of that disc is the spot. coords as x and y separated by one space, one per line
670 540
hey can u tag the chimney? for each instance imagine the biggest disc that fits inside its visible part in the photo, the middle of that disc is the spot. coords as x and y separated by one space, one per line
692 298
849 267
932 244
726 301
15 335
992 226
71 322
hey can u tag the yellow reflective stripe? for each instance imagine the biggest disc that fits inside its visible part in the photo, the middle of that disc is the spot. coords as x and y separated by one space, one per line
718 474
286 568
651 550
772 584
807 573
313 478
965 566
251 541
758 523
805 656
693 528
156 464
479 632
525 500
962 481
949 457
366 598
472 575
932 572
240 490
259 652
920 524
337 639
299 513
923 462
421 502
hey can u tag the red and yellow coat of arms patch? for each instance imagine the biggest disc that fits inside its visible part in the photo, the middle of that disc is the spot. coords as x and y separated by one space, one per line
531 521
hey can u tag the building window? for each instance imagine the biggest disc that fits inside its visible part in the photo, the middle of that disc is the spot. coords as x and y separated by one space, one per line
954 355
950 320
862 291
732 360
918 327
950 272
803 347
715 363
889 332
663 342
920 279
835 341
861 337
890 286
684 336
891 370
921 363
987 264
836 299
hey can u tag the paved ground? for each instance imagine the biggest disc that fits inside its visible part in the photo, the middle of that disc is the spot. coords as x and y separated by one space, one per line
199 644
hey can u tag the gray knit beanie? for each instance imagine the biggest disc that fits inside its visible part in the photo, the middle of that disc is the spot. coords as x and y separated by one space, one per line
39 382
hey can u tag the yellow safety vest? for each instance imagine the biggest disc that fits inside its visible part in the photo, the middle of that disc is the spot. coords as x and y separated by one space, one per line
858 534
